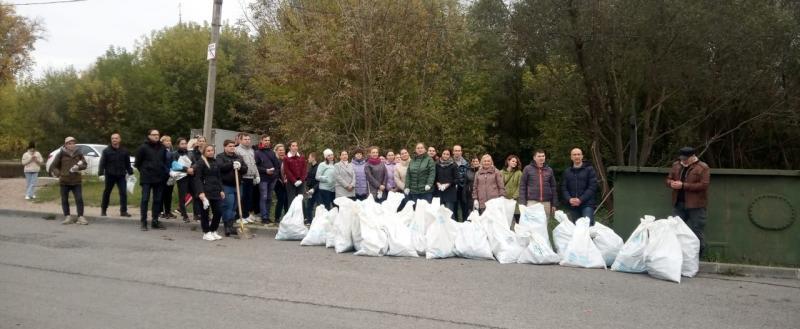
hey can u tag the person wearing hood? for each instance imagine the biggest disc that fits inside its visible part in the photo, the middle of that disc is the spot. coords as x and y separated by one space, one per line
538 184
462 166
230 166
511 177
689 179
115 165
67 166
268 167
579 185
250 178
31 163
180 167
325 176
446 172
151 161
359 167
344 177
420 176
295 170
375 171
488 184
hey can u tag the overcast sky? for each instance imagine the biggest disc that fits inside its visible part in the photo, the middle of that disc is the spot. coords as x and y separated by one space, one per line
77 33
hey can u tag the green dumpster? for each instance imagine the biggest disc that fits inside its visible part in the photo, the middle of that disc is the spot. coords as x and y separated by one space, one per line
752 214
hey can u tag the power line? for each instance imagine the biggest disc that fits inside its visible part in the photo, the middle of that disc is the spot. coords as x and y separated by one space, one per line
40 3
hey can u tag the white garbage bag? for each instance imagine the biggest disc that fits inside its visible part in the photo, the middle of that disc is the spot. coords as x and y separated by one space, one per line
537 249
418 226
293 225
510 207
562 234
131 184
690 245
581 251
406 215
440 239
374 240
392 202
330 240
318 232
533 219
607 241
504 244
471 241
663 256
343 225
631 256
400 240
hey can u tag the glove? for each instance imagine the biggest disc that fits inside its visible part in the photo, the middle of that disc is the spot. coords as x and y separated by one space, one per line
206 204
445 186
311 191
380 194
237 165
407 191
257 180
102 178
74 169
427 188
297 183
476 205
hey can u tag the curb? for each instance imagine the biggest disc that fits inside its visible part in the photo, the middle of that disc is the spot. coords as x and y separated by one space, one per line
750 270
117 219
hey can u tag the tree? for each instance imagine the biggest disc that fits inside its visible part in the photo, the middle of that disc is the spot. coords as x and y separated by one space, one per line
17 37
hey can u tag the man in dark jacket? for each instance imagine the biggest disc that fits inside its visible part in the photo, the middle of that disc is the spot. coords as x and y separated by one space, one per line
579 187
115 165
538 184
689 179
230 164
151 161
266 162
67 166
462 190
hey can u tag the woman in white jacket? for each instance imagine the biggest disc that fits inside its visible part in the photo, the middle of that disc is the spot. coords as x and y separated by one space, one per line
32 162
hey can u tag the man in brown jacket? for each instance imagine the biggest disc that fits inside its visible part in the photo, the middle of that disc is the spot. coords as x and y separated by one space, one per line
689 179
67 166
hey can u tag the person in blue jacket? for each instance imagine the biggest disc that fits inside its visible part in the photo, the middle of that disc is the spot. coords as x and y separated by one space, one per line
579 188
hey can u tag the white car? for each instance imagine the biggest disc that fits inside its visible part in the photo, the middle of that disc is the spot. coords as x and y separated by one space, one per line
92 154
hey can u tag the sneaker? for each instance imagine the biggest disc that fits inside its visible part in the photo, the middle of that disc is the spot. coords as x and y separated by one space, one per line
208 236
216 235
186 219
27 197
69 220
82 220
33 197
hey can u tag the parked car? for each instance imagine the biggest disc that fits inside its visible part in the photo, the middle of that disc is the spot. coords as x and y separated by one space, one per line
92 154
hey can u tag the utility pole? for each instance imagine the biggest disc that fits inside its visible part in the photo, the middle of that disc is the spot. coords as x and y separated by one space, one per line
212 70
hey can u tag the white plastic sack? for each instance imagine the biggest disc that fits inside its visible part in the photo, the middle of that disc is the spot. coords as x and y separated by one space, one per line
607 241
401 243
440 240
131 183
318 233
355 224
292 225
504 244
510 208
471 241
343 225
581 251
631 256
418 226
330 239
562 234
663 255
392 202
533 219
690 245
374 241
537 250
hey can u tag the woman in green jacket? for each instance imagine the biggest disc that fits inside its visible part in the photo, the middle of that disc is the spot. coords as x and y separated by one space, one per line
420 176
511 177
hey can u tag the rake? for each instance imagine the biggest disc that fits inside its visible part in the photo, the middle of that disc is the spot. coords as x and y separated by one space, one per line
243 231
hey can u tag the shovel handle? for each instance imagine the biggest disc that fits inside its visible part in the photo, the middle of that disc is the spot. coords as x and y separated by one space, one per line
238 197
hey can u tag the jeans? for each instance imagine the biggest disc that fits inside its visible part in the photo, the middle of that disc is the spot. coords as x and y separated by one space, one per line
166 198
229 204
282 205
695 218
579 212
427 196
326 198
121 184
463 203
247 196
216 207
183 190
156 189
77 192
30 183
265 203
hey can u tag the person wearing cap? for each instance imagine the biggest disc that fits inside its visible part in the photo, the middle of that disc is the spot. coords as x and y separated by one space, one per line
325 177
67 166
689 179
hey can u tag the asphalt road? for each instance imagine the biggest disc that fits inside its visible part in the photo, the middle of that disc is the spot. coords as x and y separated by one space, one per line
111 275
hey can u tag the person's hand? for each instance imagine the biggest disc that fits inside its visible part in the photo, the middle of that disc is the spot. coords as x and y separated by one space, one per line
445 186
270 171
407 191
257 180
553 210
310 191
297 183
350 188
476 205
102 178
222 194
202 196
574 202
190 171
427 188
206 204
73 169
237 165
676 185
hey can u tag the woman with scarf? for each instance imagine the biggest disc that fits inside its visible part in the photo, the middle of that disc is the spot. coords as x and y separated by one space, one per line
511 178
375 171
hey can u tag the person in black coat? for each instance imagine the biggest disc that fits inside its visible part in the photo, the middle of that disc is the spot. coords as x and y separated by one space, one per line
207 181
270 172
151 161
312 188
115 165
579 187
446 172
229 163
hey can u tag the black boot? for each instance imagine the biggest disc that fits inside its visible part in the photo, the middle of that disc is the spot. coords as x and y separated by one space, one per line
157 225
144 225
227 226
103 212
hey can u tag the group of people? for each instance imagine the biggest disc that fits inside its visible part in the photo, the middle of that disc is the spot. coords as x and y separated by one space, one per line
257 174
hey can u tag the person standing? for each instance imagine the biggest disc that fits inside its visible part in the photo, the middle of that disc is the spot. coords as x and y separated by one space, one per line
579 187
115 165
269 172
488 184
446 172
345 177
250 178
462 195
325 176
538 184
689 180
469 183
432 154
295 170
181 167
420 176
282 204
511 178
207 182
169 184
375 171
31 163
359 167
196 155
151 162
312 188
67 166
230 166
391 164
400 172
